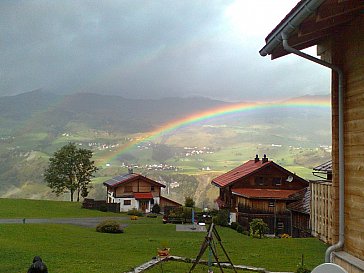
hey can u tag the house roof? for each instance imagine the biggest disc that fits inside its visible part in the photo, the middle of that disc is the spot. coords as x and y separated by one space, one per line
265 193
143 195
129 177
324 167
303 203
239 172
309 22
248 168
169 200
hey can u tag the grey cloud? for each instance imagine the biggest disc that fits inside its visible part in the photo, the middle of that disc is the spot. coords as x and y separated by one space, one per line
137 49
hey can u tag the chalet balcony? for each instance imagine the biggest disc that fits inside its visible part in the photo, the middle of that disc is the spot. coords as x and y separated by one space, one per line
249 210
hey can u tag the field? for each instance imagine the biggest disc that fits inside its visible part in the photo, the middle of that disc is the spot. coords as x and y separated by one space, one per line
68 248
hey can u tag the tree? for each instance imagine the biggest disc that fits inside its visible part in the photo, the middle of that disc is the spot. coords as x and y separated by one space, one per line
222 218
70 169
189 202
258 227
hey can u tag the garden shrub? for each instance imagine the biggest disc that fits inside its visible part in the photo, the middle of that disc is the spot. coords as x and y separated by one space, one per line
258 228
222 218
109 226
152 215
156 208
133 217
234 225
285 235
239 228
103 208
135 212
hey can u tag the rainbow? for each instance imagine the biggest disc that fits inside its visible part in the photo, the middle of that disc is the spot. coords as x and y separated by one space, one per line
209 115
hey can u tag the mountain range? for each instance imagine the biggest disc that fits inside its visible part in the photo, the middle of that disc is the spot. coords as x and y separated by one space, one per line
34 124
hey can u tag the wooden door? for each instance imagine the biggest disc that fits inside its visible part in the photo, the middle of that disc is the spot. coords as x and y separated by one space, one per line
144 204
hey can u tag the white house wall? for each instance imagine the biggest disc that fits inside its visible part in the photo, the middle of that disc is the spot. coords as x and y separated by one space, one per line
133 205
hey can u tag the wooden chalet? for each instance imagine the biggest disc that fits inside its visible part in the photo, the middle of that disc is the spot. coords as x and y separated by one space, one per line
135 191
259 189
336 27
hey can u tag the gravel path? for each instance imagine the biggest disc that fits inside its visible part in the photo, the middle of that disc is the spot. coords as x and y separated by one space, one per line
85 222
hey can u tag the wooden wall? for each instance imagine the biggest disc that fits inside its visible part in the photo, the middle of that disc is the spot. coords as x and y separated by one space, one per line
353 60
262 205
137 186
346 50
321 211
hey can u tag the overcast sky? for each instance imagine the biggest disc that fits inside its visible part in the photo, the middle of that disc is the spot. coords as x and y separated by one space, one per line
150 49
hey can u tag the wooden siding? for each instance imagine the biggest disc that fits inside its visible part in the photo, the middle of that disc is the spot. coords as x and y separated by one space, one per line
255 206
137 186
353 59
321 211
346 50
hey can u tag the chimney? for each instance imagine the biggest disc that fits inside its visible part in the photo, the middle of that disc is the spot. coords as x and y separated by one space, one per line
256 159
130 170
264 159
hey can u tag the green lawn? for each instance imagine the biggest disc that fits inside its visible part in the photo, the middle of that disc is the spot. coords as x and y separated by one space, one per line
25 208
67 248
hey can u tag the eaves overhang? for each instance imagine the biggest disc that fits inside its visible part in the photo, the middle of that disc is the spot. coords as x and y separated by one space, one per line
289 24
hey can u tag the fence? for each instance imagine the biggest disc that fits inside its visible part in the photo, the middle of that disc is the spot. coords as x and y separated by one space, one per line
100 205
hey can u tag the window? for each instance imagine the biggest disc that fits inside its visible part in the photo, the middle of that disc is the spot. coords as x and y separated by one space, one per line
260 181
152 202
127 202
280 225
152 188
277 181
271 204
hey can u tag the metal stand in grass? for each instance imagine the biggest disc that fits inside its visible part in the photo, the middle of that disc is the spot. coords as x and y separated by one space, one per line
210 242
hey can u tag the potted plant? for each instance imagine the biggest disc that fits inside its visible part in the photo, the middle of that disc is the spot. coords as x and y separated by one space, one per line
163 251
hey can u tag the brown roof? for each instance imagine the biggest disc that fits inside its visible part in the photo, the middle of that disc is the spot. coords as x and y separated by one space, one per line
242 171
265 193
303 203
246 169
162 198
129 177
324 167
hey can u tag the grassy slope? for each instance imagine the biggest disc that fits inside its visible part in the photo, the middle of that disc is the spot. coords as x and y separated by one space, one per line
67 248
25 208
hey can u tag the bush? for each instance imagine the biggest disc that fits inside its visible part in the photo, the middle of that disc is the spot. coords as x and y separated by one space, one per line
234 225
103 208
152 215
239 229
133 217
156 208
109 226
222 218
135 212
258 228
285 235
